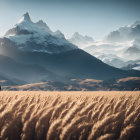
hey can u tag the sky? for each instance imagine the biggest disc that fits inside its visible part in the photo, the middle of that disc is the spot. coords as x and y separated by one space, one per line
95 18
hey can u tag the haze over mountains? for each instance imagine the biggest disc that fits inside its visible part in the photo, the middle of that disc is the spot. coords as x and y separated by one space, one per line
120 48
31 53
81 40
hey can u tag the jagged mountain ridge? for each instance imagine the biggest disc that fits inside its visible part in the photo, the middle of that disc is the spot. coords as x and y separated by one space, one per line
129 32
29 36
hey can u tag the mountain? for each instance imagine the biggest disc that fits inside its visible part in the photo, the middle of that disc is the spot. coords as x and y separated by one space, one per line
112 60
71 64
33 53
133 52
29 73
35 37
119 47
132 65
129 32
4 81
115 54
110 53
80 40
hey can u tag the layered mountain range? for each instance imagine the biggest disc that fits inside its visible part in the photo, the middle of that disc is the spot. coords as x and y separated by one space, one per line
120 48
31 52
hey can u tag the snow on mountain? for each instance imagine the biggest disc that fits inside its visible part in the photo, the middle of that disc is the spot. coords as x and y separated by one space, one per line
129 32
119 47
59 34
30 36
112 60
80 40
133 53
135 65
101 47
25 18
135 24
115 53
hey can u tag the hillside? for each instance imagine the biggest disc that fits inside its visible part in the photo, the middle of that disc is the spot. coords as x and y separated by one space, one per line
127 84
73 64
29 73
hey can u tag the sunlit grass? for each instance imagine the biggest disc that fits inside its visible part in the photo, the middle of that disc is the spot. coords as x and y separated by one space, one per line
69 115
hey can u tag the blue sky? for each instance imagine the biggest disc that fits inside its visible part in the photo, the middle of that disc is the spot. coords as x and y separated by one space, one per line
95 18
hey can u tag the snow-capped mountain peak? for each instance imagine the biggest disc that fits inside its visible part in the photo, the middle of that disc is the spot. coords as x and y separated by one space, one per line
25 18
135 24
59 34
125 33
80 40
76 34
37 36
25 24
41 23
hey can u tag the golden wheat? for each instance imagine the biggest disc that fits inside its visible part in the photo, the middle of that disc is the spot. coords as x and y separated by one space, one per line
69 115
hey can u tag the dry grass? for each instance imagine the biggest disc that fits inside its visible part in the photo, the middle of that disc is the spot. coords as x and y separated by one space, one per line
70 115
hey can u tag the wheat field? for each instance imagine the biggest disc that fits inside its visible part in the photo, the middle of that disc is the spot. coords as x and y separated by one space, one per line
69 115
